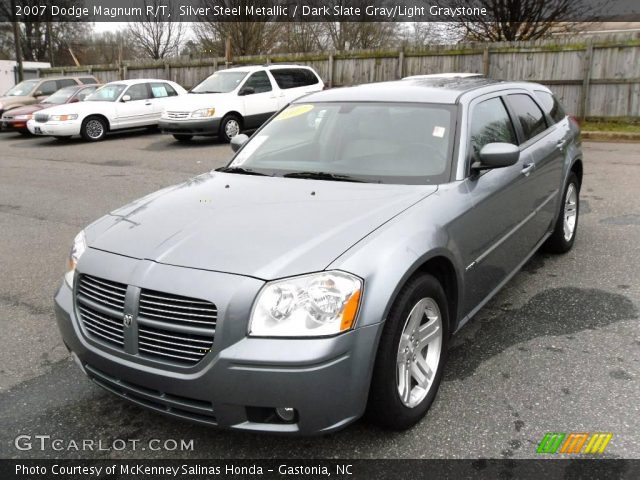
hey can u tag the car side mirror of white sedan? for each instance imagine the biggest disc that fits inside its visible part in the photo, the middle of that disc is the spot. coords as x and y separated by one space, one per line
126 98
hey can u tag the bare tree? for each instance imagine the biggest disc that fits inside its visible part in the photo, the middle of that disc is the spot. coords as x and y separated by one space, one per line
302 37
157 39
362 35
510 20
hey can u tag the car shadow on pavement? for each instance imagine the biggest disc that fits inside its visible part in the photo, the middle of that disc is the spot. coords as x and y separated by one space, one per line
49 142
167 142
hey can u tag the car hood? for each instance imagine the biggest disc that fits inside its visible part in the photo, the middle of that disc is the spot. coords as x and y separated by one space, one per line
13 99
27 110
264 227
194 101
80 108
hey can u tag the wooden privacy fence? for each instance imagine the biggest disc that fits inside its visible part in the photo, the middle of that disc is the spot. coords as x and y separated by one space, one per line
595 77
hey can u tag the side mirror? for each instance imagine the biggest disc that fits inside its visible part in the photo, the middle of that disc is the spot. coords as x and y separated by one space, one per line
238 141
126 98
497 155
38 93
247 91
74 100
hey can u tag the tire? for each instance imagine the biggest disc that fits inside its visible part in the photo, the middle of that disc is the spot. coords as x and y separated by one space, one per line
229 124
24 133
93 129
563 236
182 138
387 407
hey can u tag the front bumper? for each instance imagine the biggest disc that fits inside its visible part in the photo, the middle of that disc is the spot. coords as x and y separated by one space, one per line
14 125
209 126
56 129
240 382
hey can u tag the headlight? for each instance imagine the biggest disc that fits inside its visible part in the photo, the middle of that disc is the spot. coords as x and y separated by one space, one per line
203 113
23 117
78 248
62 118
318 304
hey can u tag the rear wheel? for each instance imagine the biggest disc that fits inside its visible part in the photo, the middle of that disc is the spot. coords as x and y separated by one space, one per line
182 138
411 355
230 126
93 129
564 232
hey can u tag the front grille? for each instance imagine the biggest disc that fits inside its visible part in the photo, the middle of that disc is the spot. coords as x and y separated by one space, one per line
170 328
177 115
41 117
184 407
101 306
175 328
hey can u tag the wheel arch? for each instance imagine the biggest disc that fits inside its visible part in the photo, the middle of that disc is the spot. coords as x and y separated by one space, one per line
98 115
576 167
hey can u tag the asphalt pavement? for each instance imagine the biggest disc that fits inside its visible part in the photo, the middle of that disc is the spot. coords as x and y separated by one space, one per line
558 350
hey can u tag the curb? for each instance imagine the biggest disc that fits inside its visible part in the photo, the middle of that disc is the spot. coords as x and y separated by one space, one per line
611 136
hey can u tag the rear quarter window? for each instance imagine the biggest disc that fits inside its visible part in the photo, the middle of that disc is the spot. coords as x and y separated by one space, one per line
551 105
294 77
528 113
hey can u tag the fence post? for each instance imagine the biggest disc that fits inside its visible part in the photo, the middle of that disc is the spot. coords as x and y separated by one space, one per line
485 62
586 80
400 63
167 71
124 73
330 71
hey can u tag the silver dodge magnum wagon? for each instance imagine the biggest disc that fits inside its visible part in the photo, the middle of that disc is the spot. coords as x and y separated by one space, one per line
320 275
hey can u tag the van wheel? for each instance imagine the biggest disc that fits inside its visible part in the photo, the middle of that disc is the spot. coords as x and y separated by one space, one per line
411 355
93 129
230 126
564 232
183 138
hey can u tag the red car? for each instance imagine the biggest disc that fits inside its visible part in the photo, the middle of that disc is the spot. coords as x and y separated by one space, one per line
16 119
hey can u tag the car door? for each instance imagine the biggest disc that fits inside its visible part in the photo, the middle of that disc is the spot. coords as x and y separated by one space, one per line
540 139
493 238
137 109
260 101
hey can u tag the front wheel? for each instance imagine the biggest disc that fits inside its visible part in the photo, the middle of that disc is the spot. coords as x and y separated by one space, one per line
230 126
564 232
93 129
411 355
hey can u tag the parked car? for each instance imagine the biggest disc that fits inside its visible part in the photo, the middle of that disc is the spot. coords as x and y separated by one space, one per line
322 272
117 105
16 119
35 90
237 99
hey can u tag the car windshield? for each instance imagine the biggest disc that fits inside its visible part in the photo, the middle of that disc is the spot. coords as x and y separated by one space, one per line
23 88
402 143
219 82
107 93
61 96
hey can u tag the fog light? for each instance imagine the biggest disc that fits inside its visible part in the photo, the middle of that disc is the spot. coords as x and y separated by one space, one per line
286 414
78 362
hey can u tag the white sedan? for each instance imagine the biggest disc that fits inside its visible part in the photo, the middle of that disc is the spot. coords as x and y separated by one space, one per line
117 105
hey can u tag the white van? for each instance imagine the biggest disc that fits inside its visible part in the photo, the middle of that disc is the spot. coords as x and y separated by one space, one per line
236 99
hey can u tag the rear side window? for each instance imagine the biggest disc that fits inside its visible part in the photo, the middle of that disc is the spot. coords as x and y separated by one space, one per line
161 90
260 82
490 123
528 114
551 105
66 82
87 80
294 77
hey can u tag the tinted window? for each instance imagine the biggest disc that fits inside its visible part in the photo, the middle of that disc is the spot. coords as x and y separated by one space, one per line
528 114
490 123
161 90
138 92
293 77
551 105
88 80
260 82
66 82
48 87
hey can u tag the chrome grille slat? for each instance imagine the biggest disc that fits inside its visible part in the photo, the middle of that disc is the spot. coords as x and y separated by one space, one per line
109 327
106 283
97 332
100 317
86 287
206 342
106 290
165 318
212 310
103 327
173 298
181 357
163 348
187 314
98 299
177 115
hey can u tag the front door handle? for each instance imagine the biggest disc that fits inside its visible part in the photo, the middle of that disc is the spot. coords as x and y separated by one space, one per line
528 167
560 144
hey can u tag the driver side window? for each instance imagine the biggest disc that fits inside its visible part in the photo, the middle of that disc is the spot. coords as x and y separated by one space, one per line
490 123
259 81
138 92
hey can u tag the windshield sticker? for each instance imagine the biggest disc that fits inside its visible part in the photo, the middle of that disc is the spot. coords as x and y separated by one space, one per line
248 149
294 112
438 131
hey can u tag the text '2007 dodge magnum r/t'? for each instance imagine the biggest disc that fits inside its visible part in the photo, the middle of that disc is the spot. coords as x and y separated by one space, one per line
321 273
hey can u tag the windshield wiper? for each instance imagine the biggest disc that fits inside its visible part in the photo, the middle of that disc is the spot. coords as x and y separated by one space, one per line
322 176
240 170
206 91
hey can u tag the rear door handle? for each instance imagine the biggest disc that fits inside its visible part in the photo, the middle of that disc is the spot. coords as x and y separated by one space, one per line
561 143
528 167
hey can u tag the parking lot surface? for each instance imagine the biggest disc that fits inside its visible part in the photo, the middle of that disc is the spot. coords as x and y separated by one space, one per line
558 350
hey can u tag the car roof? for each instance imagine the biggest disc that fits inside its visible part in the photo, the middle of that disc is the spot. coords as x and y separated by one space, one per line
255 68
133 81
437 89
